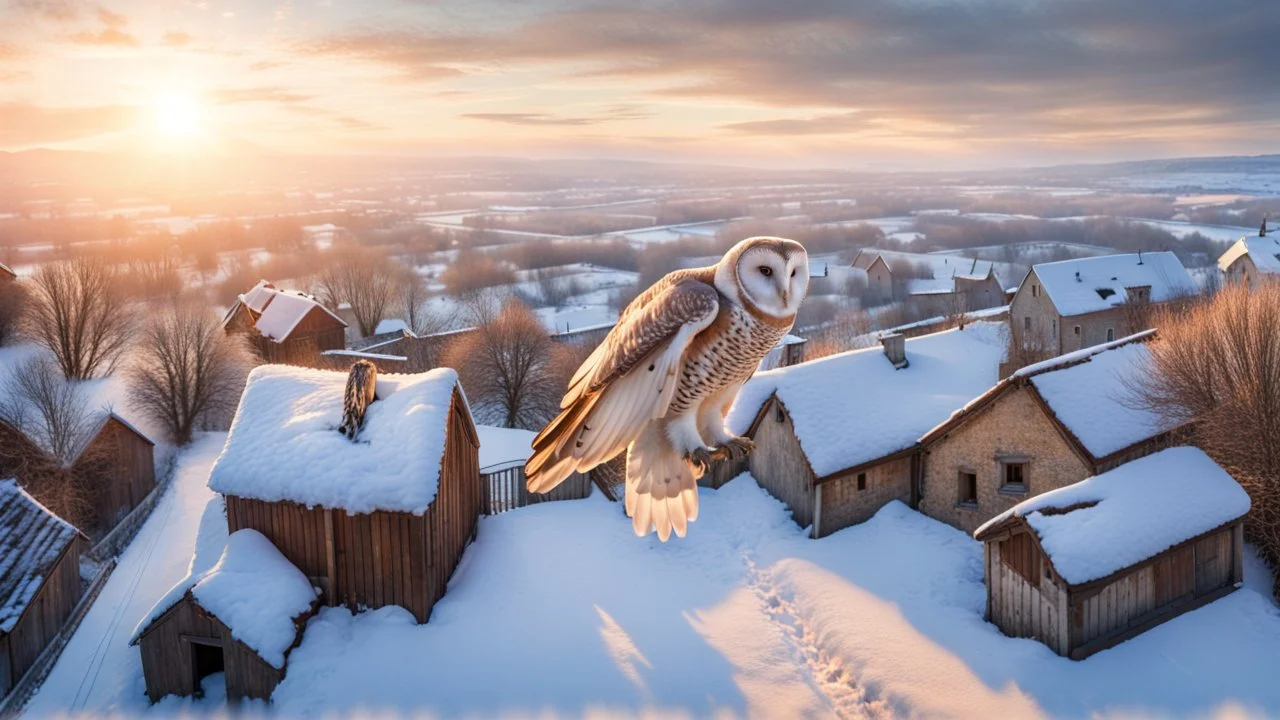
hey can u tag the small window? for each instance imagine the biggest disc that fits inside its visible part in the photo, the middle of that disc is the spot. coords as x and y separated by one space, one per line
778 415
968 488
1026 323
1035 291
1075 329
1111 334
1013 476
1105 293
862 481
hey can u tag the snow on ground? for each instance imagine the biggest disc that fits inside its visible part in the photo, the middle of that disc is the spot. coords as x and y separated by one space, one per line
99 672
557 609
748 617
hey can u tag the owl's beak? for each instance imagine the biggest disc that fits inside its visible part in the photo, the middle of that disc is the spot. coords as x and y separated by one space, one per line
786 297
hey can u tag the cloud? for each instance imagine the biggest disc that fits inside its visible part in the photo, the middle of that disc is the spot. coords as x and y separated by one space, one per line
110 19
515 118
112 37
1045 70
54 10
266 65
232 96
26 125
174 38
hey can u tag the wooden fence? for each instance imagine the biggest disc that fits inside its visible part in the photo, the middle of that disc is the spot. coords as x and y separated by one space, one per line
503 488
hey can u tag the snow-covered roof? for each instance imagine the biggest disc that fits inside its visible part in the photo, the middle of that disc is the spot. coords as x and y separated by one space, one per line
390 325
253 589
1111 521
284 443
852 408
31 540
258 297
1093 284
363 355
501 446
286 309
1264 251
1094 398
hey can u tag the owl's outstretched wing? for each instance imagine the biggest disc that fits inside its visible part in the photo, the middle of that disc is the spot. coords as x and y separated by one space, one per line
627 381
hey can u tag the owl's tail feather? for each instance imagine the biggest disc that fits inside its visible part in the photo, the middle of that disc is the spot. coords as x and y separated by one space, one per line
662 487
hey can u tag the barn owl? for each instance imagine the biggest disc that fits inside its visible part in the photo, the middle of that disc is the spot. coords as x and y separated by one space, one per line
662 381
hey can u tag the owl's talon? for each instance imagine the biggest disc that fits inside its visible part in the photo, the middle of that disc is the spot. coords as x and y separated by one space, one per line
701 458
738 448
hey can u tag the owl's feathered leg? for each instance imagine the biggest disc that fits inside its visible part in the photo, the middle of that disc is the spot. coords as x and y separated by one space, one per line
662 488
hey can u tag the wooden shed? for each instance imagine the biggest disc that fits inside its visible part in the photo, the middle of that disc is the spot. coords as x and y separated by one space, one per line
39 579
241 617
285 326
379 521
1093 564
118 463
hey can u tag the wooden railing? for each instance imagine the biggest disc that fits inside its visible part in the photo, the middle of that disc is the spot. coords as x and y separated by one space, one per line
503 488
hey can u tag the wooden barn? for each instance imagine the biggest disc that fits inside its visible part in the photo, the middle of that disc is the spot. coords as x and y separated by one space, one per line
836 437
1093 564
379 521
115 461
241 617
39 579
118 463
285 326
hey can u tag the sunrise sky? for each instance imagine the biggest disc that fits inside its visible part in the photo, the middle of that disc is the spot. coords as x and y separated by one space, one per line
882 83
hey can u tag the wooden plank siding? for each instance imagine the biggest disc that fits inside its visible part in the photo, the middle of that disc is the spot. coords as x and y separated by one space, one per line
778 463
316 332
43 617
1026 598
370 560
506 489
168 655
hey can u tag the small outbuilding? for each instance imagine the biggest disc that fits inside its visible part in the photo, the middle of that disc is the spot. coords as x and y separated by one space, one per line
241 618
39 579
117 462
285 326
1090 565
382 520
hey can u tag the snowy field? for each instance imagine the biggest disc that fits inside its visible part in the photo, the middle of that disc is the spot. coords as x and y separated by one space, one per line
558 610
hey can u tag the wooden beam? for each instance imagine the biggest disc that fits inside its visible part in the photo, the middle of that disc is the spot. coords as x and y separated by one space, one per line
330 561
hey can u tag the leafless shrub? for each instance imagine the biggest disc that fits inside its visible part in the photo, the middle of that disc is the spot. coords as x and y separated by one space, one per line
412 300
153 277
367 282
80 313
508 366
187 372
13 305
46 408
472 271
1218 364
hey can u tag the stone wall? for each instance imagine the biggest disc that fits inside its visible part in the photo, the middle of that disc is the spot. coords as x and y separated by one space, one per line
1014 425
843 504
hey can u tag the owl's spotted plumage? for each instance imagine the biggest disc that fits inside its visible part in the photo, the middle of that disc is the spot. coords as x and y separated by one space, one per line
661 382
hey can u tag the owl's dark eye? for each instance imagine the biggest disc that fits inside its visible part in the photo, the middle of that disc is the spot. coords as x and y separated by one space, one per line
765 270
793 272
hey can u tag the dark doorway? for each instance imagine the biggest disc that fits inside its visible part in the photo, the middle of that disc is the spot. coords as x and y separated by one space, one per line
206 659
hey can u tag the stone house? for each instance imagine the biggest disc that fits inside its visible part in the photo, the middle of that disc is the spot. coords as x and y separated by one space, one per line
1251 259
959 293
1073 304
836 438
1047 426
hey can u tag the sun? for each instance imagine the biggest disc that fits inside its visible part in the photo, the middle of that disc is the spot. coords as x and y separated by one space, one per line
179 116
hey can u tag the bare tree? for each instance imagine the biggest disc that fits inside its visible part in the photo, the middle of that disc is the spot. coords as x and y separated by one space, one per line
1217 364
13 305
187 371
508 366
366 282
79 311
413 297
46 408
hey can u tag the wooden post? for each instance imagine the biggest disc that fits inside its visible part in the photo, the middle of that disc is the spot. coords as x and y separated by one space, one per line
1237 553
817 513
331 565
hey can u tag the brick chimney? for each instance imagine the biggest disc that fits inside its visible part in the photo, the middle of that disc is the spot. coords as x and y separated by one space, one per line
895 348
